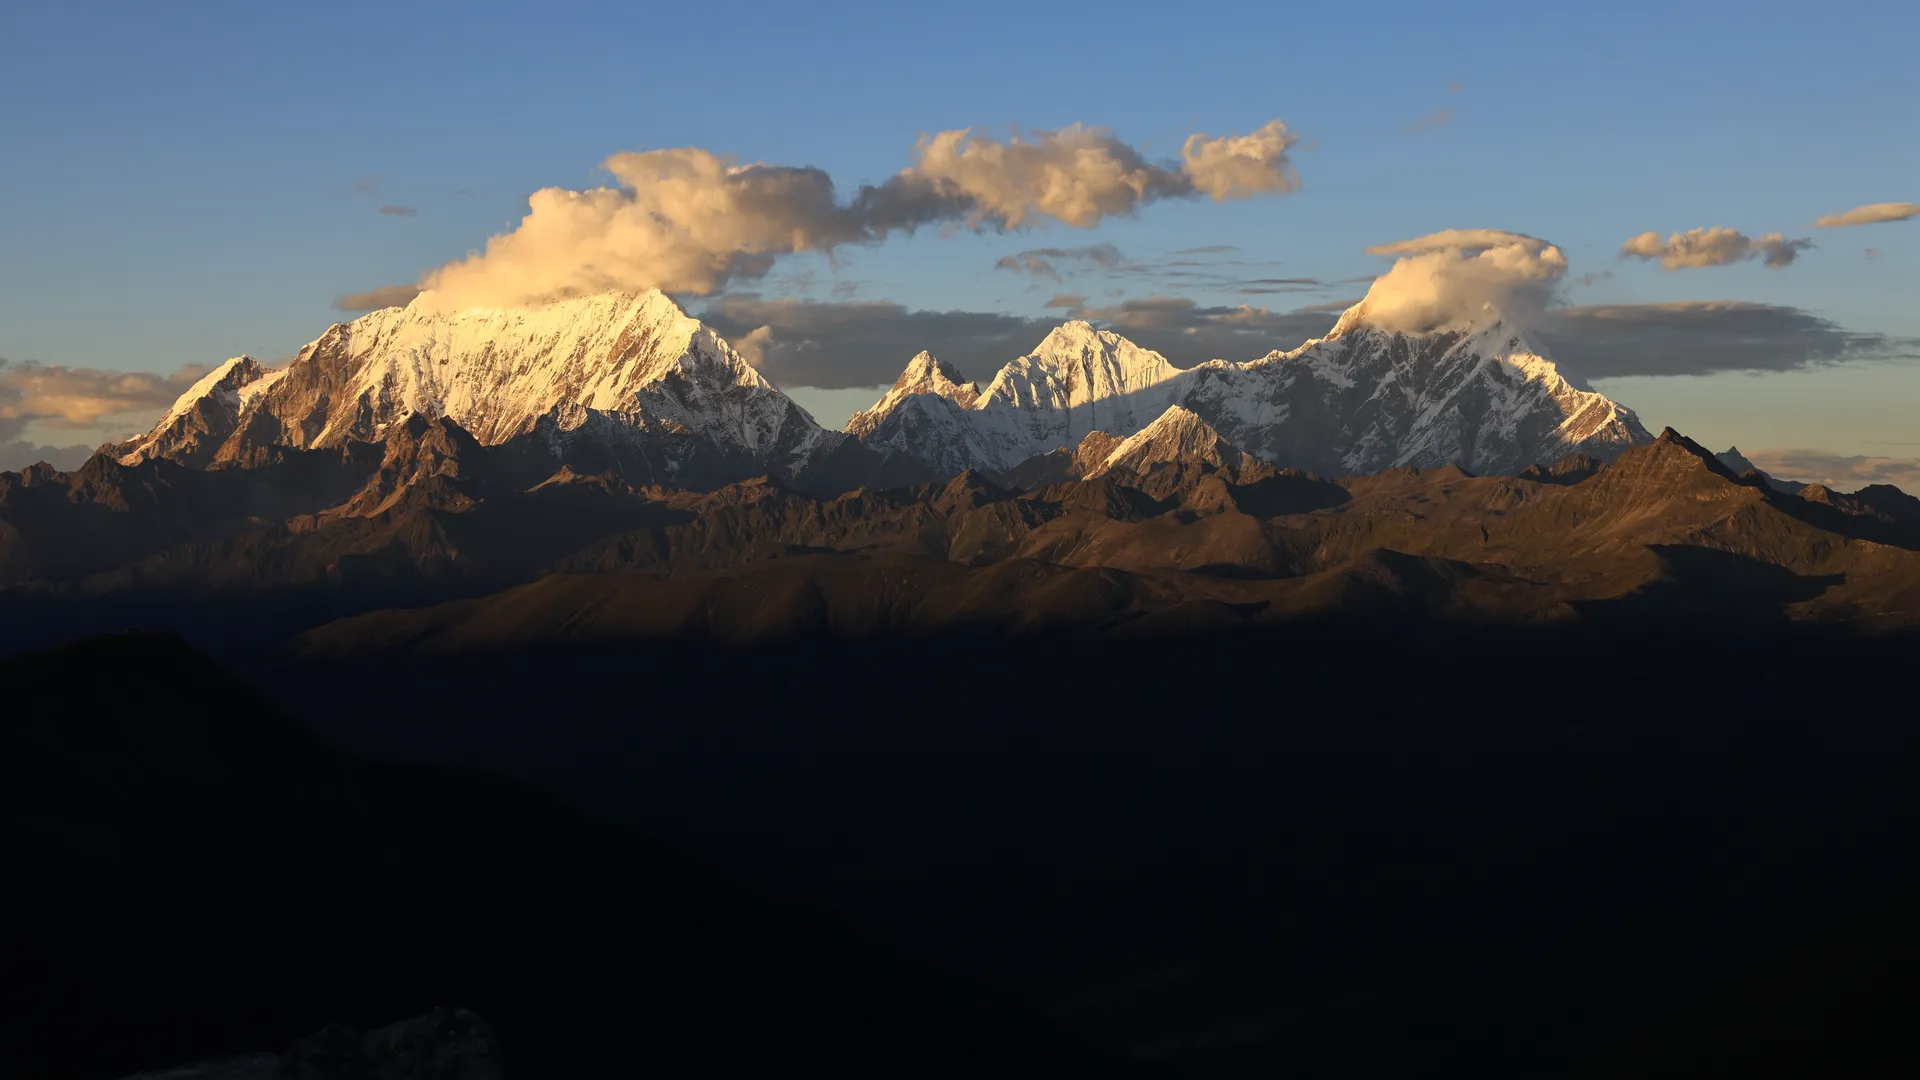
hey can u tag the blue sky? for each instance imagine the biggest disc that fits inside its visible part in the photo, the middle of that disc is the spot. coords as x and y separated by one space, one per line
184 186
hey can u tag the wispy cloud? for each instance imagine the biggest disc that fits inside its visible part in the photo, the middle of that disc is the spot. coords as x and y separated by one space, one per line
374 299
394 210
39 400
1431 120
843 345
1207 249
366 185
1702 337
1841 472
1872 214
1044 261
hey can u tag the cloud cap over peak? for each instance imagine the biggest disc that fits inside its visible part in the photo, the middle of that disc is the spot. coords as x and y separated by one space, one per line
1456 274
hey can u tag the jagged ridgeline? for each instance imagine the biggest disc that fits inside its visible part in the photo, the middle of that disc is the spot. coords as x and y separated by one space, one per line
410 458
631 382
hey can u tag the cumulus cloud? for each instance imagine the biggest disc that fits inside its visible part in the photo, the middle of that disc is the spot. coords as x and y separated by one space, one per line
395 210
1459 273
1701 337
1697 248
1241 166
1841 472
1872 214
1041 261
687 220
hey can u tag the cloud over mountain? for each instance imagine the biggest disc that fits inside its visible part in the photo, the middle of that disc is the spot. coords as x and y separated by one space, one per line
385 296
1872 214
1457 273
687 220
1698 248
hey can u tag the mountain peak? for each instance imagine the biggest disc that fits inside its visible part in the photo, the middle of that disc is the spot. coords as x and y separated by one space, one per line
636 360
927 374
1177 435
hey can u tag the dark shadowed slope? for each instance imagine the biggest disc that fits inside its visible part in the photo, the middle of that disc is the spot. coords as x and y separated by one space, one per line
1840 1005
195 875
437 516
1322 848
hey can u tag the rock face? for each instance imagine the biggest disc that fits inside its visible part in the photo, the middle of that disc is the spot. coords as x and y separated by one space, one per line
1178 437
1359 400
617 370
1733 459
445 1044
630 382
1364 399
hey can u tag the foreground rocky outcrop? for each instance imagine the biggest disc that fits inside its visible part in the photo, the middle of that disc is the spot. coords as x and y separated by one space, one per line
446 1044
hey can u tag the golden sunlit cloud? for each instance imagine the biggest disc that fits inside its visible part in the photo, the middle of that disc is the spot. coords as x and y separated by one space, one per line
689 221
1698 248
1459 273
1873 214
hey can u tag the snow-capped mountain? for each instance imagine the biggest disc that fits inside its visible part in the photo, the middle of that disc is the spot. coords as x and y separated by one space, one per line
1078 380
1364 398
1179 436
615 366
1361 399
630 381
925 416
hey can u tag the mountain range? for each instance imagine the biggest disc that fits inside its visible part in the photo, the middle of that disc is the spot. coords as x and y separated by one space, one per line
589 547
632 381
408 458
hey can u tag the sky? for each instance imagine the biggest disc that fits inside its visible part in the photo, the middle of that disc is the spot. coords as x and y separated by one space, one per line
183 186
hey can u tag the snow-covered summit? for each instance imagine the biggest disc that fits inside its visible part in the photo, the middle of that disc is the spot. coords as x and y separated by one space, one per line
925 374
202 417
1078 379
1365 398
499 372
1359 399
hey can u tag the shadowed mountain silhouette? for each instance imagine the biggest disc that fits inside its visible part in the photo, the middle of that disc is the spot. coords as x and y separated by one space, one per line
173 827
